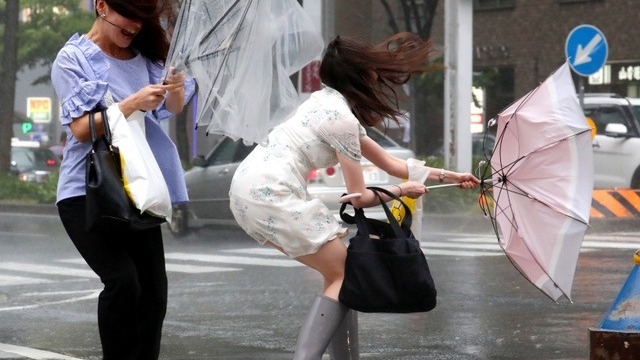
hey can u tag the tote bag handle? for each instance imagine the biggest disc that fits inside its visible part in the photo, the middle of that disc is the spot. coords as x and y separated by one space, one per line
106 138
359 218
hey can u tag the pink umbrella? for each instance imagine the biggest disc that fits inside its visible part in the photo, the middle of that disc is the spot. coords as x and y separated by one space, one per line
542 178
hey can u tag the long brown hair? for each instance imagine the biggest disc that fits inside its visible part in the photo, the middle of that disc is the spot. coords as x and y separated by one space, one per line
151 41
365 74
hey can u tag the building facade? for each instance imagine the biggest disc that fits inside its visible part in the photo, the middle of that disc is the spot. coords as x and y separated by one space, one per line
523 42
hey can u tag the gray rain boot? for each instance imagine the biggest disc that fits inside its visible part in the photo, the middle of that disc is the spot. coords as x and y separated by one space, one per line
318 328
344 345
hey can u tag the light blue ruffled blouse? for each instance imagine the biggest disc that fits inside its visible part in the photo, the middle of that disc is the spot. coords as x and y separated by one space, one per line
81 75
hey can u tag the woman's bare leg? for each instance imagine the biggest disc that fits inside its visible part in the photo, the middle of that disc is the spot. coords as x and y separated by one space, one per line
329 261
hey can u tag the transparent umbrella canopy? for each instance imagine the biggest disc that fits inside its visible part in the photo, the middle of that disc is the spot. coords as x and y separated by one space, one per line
241 54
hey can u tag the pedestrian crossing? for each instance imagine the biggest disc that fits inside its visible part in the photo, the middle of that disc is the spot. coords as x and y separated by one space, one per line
229 260
474 245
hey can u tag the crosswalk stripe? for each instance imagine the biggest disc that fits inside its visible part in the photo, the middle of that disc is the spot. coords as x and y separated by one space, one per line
429 252
487 245
263 251
47 269
610 245
20 280
196 269
31 353
448 245
475 240
226 259
171 267
177 262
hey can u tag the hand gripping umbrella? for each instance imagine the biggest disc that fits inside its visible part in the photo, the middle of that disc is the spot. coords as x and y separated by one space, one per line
541 174
241 54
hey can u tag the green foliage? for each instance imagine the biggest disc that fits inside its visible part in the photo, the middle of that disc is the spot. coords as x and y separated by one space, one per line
13 189
46 28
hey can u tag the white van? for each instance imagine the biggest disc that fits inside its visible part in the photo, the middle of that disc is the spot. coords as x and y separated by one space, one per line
616 145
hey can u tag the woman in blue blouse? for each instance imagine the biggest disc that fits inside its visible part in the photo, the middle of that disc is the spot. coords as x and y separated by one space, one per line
120 61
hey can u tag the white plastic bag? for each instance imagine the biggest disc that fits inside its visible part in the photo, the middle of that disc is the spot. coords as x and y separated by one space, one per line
417 172
143 180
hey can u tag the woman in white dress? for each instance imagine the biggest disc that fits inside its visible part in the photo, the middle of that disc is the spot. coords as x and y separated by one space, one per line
269 197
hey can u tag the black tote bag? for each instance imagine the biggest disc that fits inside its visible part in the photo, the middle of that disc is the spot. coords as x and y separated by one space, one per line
108 204
385 271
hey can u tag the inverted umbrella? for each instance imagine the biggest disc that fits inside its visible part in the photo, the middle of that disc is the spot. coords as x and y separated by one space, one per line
241 54
541 174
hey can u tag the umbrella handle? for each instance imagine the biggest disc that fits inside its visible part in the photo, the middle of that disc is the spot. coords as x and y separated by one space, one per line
348 197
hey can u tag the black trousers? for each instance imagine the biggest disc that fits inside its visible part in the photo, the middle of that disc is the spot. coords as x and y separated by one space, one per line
131 265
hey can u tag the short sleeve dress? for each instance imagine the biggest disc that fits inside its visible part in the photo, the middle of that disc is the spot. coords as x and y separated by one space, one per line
268 194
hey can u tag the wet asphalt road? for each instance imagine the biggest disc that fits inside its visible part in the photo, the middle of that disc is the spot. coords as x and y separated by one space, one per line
232 299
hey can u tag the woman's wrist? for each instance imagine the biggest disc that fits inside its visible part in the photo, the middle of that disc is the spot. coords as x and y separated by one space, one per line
400 188
441 176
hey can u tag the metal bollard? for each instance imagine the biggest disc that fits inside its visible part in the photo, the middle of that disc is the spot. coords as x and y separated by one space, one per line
619 334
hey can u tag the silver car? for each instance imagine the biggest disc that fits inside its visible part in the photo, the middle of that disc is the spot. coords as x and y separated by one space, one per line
209 180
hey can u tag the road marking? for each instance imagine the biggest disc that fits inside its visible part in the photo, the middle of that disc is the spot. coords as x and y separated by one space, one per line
179 268
197 269
610 245
262 251
431 252
93 294
33 353
226 259
47 269
457 245
487 245
20 280
462 245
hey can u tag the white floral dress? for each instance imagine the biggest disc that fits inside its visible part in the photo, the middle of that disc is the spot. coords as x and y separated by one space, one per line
268 195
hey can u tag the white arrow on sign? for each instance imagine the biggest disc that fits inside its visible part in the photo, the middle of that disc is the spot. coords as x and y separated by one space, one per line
582 54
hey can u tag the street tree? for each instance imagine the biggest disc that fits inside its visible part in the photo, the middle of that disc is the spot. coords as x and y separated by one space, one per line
34 31
417 16
8 80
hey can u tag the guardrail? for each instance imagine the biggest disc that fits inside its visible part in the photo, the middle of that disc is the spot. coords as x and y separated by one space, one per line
618 203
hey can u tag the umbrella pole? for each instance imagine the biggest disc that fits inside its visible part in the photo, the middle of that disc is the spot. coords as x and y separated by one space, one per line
442 186
454 184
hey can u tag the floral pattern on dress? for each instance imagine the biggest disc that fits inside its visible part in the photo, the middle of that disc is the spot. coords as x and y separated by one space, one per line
269 197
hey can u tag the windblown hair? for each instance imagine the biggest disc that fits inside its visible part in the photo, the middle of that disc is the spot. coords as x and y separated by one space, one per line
366 74
151 41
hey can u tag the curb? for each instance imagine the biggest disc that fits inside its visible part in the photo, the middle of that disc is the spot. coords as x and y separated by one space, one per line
38 209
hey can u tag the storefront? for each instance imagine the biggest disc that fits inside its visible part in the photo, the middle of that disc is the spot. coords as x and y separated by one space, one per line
620 77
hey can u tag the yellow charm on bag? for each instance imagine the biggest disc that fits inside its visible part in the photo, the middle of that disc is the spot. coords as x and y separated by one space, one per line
398 210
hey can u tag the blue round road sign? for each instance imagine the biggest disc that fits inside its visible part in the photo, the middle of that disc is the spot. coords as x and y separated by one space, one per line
586 49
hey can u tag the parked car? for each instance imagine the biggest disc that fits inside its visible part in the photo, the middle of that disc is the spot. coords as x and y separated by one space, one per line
32 163
209 180
616 145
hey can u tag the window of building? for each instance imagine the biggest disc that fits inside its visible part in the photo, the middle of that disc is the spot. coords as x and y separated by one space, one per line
482 5
575 1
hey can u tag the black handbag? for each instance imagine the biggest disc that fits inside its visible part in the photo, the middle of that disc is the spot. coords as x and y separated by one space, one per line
108 206
385 271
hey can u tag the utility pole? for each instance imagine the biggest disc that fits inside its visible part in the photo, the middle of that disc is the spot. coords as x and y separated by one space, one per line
458 81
